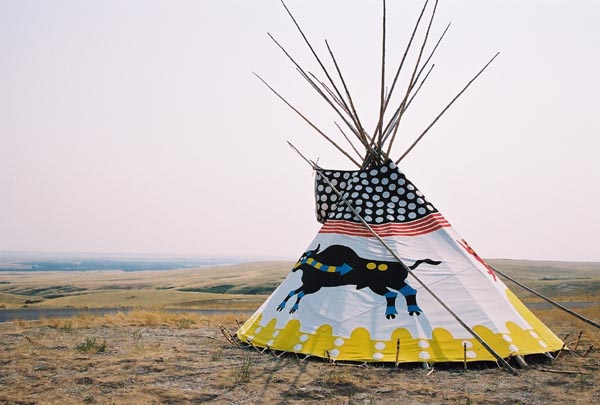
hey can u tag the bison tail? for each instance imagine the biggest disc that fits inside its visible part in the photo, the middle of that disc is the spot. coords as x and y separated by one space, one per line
428 261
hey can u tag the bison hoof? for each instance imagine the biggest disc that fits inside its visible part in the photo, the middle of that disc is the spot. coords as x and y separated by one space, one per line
390 316
279 308
411 313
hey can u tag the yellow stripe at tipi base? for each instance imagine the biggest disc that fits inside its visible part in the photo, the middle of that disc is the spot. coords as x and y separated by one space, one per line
442 347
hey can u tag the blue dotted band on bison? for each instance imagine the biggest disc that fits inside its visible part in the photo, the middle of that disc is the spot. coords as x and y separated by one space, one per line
339 265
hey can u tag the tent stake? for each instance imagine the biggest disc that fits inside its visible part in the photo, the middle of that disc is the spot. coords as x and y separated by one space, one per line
405 267
575 314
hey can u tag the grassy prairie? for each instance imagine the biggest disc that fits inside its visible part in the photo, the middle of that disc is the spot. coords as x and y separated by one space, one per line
242 286
156 357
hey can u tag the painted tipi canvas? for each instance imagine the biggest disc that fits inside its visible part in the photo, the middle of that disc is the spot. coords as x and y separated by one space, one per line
347 298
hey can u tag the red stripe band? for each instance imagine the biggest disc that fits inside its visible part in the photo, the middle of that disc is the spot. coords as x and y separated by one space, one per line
428 224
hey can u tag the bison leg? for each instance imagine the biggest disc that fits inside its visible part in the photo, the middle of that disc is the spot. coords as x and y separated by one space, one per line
411 300
290 295
295 307
390 309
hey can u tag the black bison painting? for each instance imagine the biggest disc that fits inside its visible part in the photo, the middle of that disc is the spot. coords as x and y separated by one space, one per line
339 265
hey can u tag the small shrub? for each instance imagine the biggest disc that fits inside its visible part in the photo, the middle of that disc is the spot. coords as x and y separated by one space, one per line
184 323
90 346
243 374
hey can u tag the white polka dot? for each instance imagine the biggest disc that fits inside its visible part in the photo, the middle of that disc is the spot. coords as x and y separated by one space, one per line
533 334
333 182
420 201
328 189
379 212
385 194
365 182
334 353
412 206
390 217
430 207
347 216
401 181
358 209
401 217
365 196
359 202
401 191
424 355
339 342
320 187
298 347
368 218
369 189
270 343
468 343
358 188
376 197
378 356
346 176
380 204
394 176
423 344
410 196
395 198
324 206
412 215
338 215
513 348
276 333
390 210
401 211
373 172
392 165
369 204
375 180
379 220
336 174
419 193
410 187
471 354
421 210
368 211
384 181
324 197
303 338
379 345
342 185
334 197
543 344
507 338
257 330
363 175
384 169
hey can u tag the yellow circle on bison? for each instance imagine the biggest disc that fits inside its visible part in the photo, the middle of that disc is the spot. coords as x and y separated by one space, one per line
382 267
371 266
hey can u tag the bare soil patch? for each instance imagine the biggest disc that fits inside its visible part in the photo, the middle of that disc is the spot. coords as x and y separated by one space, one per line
157 358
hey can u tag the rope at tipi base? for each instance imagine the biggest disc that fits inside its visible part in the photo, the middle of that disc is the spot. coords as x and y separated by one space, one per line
575 314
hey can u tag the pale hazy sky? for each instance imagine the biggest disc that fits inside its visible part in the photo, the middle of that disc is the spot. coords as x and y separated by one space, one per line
138 127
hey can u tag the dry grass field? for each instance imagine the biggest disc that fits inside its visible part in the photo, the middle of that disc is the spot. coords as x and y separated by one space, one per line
151 356
156 357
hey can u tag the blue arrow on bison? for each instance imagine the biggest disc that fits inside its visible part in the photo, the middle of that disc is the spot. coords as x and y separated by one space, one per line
339 265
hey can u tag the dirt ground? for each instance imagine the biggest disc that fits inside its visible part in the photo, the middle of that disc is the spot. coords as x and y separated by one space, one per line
192 362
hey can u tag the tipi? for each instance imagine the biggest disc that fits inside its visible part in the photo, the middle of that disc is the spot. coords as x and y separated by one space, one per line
387 278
